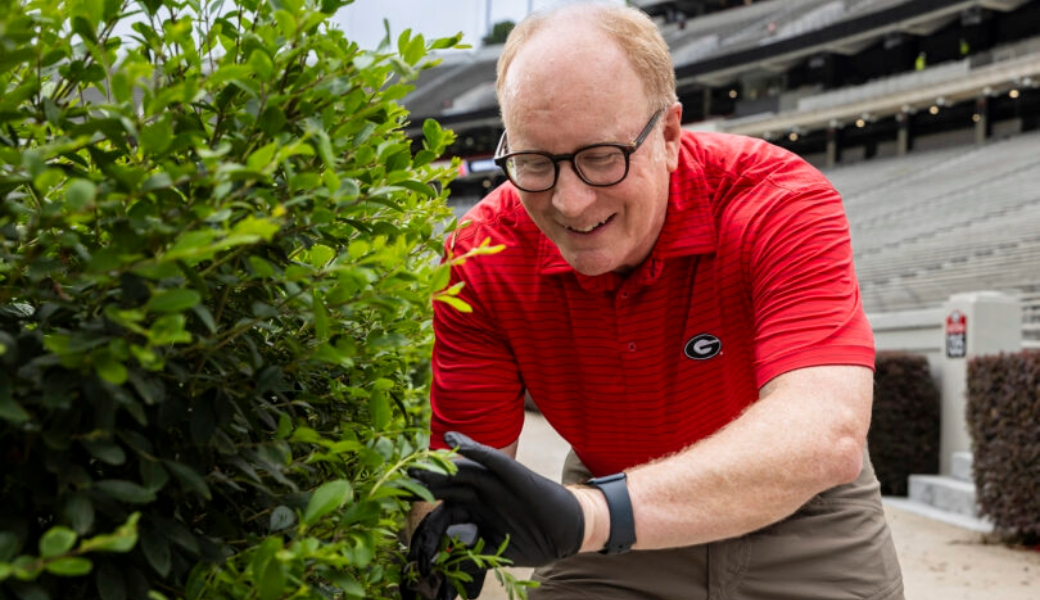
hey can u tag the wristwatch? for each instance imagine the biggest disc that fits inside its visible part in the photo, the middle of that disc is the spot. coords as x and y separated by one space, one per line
622 522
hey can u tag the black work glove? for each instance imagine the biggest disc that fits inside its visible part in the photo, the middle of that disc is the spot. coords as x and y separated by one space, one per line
430 585
542 519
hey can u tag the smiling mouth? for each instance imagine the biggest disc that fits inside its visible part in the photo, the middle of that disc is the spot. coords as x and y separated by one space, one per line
590 228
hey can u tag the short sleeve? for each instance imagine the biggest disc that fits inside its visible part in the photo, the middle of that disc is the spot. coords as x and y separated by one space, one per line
477 389
804 293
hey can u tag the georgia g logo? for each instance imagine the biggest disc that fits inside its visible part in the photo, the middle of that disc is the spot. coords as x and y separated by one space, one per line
703 347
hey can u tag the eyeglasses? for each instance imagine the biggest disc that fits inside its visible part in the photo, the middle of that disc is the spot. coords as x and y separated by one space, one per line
598 165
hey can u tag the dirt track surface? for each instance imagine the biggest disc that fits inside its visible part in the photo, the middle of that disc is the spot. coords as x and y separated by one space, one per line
939 561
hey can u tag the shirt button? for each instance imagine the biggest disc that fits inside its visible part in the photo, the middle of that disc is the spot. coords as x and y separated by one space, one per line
631 346
624 295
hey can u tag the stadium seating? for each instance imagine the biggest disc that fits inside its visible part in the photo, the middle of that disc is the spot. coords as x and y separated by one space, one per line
932 224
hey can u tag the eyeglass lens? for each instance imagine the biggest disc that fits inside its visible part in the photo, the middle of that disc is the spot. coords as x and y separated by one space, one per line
596 165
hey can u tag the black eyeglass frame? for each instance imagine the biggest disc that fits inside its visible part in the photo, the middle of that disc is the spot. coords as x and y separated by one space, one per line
626 149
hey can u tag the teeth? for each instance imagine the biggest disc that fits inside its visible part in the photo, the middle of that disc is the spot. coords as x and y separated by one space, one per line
589 228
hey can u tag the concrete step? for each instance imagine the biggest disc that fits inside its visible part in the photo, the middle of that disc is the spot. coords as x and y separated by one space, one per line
961 466
919 508
944 493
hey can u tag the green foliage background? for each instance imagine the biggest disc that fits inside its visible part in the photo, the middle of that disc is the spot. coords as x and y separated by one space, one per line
217 253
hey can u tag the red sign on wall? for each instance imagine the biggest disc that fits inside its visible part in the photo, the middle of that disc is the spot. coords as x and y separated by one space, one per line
956 335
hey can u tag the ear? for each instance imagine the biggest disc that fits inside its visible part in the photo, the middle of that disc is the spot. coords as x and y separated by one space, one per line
672 129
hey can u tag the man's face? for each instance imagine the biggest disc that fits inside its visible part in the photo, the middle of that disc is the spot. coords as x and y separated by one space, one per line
589 94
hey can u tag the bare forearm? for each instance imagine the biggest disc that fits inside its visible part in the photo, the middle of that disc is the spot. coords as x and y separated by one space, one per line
792 444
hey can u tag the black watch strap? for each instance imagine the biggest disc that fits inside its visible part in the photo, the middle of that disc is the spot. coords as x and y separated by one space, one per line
622 522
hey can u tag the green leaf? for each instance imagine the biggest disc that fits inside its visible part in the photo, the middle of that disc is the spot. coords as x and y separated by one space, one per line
80 194
265 228
226 73
260 159
286 23
204 315
261 267
156 549
459 304
417 489
9 409
272 581
158 181
285 427
282 517
109 368
351 587
169 329
189 478
122 540
105 451
358 248
320 255
70 566
379 408
434 135
27 568
156 138
57 541
441 277
8 546
261 64
415 50
418 187
79 511
125 491
321 317
174 300
122 89
327 498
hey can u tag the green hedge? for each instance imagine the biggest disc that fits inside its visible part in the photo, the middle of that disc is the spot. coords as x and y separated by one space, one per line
1003 414
217 252
904 430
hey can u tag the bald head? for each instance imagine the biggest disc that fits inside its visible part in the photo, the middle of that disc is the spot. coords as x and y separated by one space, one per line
590 37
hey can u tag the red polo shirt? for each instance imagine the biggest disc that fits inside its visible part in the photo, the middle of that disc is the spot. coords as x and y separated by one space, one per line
751 277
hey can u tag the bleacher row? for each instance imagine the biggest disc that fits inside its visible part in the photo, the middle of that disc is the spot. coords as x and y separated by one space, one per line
935 223
760 23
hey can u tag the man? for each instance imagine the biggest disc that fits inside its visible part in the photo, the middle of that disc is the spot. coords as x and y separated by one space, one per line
683 309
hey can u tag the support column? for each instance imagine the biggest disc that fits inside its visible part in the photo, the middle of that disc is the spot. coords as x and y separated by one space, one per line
707 102
976 323
833 146
903 134
982 129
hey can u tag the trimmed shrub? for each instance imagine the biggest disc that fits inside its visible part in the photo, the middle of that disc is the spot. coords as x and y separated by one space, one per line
217 252
904 429
1003 414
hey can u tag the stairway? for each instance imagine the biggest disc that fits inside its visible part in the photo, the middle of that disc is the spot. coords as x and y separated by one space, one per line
950 499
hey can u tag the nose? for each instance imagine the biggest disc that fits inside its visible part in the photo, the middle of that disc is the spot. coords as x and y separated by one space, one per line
571 196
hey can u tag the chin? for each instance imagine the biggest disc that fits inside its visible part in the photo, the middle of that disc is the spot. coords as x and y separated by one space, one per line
591 266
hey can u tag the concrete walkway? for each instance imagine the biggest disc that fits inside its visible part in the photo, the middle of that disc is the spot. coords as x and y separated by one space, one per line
939 561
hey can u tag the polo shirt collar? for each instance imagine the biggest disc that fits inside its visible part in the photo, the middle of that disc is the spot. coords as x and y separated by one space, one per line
689 229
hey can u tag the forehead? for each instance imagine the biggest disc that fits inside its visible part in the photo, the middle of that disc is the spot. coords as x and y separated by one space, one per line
571 86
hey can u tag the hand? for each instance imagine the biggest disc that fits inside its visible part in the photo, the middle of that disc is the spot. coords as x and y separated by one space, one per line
542 519
431 585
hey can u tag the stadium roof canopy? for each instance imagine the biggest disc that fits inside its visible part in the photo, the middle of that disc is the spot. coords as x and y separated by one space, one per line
715 49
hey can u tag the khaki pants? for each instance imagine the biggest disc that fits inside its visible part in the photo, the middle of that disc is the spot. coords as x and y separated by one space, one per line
836 547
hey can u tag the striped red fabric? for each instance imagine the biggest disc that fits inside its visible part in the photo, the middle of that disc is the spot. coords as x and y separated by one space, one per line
752 276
